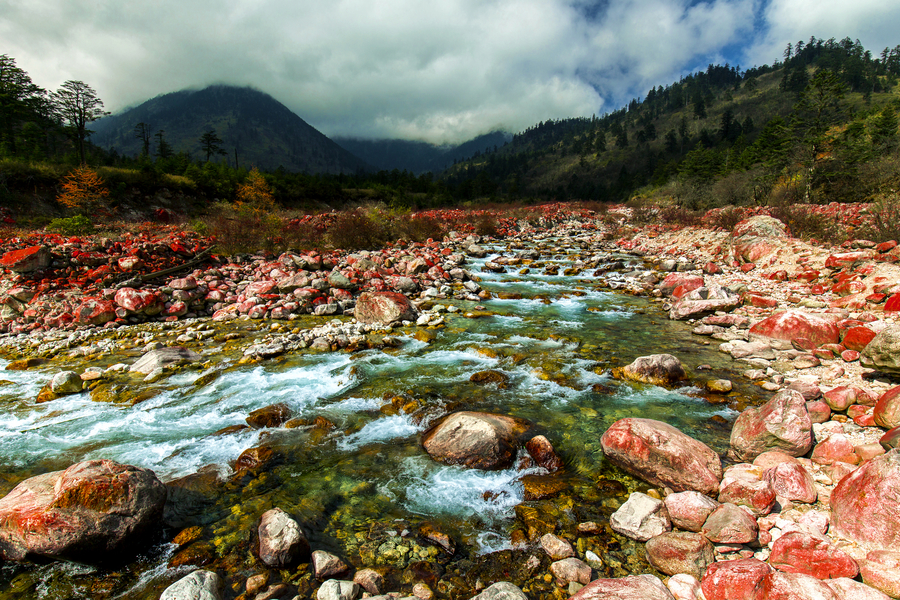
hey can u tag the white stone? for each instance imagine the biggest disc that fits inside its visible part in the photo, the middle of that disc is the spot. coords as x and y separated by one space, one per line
639 518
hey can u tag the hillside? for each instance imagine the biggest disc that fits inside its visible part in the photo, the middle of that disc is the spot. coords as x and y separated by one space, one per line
254 128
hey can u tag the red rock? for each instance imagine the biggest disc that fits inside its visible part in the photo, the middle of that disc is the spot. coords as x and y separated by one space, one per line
887 409
848 589
680 280
850 355
662 455
760 301
26 260
734 579
881 570
892 304
689 510
730 524
846 288
864 504
866 420
681 552
840 398
891 439
384 308
808 276
792 324
800 552
645 587
541 450
819 411
803 344
89 512
868 451
837 447
792 482
93 311
139 301
885 247
794 586
758 496
773 458
747 267
782 424
711 268
476 440
185 283
857 338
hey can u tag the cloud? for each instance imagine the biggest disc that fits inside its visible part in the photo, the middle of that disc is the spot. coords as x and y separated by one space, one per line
437 71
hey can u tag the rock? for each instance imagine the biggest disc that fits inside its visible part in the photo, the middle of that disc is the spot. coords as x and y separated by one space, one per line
274 415
26 260
891 439
793 482
800 552
758 496
640 518
734 579
791 324
474 439
281 542
66 382
887 409
334 589
502 590
864 504
326 565
645 587
819 411
703 301
491 376
881 570
689 510
848 589
199 585
756 238
729 524
657 369
840 398
662 455
93 311
782 424
139 301
162 358
556 548
541 450
679 280
685 587
370 580
857 338
571 570
681 552
384 308
883 352
432 534
794 586
719 386
92 511
835 448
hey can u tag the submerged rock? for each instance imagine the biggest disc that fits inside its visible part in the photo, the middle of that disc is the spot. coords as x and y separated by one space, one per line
281 542
656 369
88 513
199 585
163 357
474 439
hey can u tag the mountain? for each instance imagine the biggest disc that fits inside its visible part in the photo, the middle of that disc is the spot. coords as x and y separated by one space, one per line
420 157
256 130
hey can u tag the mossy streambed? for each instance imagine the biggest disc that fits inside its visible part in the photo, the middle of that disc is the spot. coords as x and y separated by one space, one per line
349 466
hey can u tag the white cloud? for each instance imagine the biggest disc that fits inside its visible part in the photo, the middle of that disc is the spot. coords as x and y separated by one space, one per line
441 71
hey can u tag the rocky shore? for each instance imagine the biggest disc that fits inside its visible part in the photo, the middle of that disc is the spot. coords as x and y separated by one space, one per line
803 506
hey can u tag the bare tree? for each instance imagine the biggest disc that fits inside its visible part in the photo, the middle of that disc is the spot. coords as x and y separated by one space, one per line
77 105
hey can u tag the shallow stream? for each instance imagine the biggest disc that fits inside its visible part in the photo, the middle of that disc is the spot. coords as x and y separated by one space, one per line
362 488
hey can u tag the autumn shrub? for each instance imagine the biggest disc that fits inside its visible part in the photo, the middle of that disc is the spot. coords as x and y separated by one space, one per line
358 230
84 191
241 229
678 215
724 218
255 193
884 215
297 235
486 224
417 228
805 223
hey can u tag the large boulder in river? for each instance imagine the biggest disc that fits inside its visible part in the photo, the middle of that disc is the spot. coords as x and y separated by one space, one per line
281 541
163 357
384 308
89 512
656 369
756 237
475 439
662 455
792 324
199 585
883 352
782 424
865 506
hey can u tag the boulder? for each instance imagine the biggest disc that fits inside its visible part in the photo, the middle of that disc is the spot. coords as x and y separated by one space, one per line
274 415
891 439
334 589
887 409
94 311
840 398
782 424
640 518
370 580
556 548
326 565
384 308
502 590
685 587
139 301
541 450
849 589
645 587
474 439
883 352
689 510
864 504
792 324
571 570
801 552
681 552
662 455
672 281
66 382
794 586
729 524
758 496
756 237
163 357
704 301
881 570
26 260
199 585
656 369
793 482
734 579
90 512
281 542
835 448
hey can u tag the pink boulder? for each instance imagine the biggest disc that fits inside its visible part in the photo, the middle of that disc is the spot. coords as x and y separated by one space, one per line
730 524
778 585
782 424
756 237
93 311
139 301
793 482
734 579
791 324
840 398
681 552
849 589
756 495
87 513
656 369
800 552
857 338
662 455
881 570
836 448
864 504
887 409
689 510
474 439
645 587
674 280
384 308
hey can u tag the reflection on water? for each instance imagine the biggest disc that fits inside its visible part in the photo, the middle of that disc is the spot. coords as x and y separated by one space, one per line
556 344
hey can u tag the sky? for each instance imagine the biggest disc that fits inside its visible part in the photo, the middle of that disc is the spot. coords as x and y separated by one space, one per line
442 71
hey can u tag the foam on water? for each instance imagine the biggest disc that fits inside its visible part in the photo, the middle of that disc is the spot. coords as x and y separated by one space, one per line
380 430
